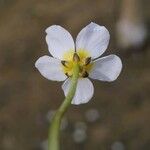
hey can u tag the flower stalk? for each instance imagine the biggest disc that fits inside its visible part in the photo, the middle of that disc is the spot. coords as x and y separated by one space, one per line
54 131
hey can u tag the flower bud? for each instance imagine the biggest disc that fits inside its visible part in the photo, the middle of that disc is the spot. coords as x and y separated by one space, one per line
87 60
85 74
76 58
64 63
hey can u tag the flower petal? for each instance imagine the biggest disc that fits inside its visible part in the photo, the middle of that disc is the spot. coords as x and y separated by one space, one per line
84 90
106 68
93 38
50 68
59 41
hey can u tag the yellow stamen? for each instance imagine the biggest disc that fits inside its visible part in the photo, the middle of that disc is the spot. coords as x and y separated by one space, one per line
82 57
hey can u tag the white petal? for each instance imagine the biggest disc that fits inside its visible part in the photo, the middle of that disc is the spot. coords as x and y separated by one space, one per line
59 41
93 38
106 68
84 90
50 68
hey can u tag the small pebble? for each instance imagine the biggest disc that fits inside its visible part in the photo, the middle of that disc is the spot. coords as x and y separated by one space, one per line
79 134
44 145
117 146
92 115
50 115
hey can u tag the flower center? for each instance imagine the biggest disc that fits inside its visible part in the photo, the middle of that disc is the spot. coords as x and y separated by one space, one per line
81 57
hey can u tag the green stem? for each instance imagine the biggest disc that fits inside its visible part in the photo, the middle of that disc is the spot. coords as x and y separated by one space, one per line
54 132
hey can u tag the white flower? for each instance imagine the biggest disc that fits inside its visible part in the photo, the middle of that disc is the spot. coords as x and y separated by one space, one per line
91 42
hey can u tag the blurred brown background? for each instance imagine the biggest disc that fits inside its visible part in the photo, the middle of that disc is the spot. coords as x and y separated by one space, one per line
117 118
